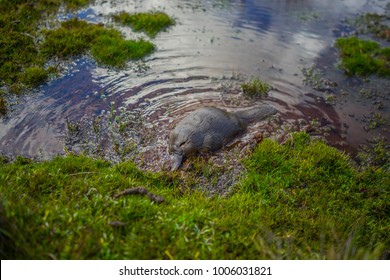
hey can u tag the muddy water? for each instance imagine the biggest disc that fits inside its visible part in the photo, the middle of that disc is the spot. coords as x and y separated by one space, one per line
202 60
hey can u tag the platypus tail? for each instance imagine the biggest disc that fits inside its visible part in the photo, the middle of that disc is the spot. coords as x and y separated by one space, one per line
257 113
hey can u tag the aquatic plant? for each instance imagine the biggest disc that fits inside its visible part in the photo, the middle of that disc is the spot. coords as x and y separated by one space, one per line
315 78
19 40
150 23
375 120
255 88
311 202
114 51
374 24
363 57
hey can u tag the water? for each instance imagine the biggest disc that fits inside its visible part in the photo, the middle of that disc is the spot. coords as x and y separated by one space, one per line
202 60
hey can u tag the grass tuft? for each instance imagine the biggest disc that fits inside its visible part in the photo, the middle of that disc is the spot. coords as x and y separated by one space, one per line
114 51
375 24
255 88
34 76
19 40
150 23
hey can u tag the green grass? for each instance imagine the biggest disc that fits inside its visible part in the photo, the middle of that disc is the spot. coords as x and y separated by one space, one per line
19 40
150 23
301 200
255 88
363 57
114 51
3 103
34 76
25 48
107 46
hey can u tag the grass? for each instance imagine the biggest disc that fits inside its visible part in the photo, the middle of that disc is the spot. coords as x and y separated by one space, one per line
301 200
255 88
375 24
25 48
363 57
150 23
3 103
376 153
107 46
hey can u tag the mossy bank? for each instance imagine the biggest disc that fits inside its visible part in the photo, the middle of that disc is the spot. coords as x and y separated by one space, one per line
255 88
106 46
300 200
26 48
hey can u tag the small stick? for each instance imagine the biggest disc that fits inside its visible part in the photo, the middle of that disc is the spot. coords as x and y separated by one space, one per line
142 191
138 190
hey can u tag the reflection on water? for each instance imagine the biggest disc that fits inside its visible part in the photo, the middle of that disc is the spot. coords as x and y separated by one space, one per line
215 45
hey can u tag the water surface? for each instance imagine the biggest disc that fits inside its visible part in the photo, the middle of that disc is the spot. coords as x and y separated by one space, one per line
202 60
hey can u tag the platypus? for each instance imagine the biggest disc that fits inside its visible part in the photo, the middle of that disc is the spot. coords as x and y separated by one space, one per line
208 129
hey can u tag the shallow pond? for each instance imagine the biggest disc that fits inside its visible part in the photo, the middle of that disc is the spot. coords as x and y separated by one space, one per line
202 60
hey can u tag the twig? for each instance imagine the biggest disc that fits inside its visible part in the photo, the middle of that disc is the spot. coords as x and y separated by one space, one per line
141 191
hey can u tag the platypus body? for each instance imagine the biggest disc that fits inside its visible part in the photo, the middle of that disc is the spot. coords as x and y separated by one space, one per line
209 129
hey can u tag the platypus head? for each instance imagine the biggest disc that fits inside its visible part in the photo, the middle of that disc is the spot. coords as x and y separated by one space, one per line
176 148
178 157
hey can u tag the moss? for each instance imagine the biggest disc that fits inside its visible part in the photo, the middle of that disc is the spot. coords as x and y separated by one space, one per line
311 202
23 56
150 23
255 88
363 57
